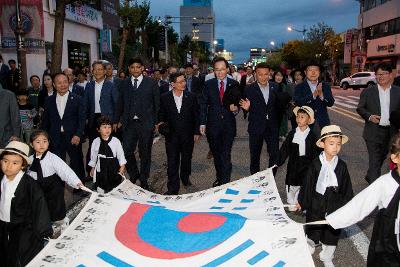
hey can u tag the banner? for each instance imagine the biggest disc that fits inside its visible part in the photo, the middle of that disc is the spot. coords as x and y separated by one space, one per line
242 223
32 24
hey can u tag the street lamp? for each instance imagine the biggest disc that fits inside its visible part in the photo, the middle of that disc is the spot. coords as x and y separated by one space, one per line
290 29
272 43
21 51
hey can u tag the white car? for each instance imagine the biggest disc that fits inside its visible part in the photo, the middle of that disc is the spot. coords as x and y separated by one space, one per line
359 79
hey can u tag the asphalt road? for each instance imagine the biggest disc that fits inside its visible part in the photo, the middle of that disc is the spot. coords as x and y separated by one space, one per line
352 248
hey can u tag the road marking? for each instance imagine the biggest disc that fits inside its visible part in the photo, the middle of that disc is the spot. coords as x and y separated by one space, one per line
347 100
359 239
351 113
336 109
340 103
354 97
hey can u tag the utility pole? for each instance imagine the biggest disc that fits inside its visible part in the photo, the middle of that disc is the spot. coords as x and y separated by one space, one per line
166 39
21 51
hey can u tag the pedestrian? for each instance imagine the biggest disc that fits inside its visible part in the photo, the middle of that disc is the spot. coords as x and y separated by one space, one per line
13 78
284 98
261 101
46 91
26 113
297 78
82 81
107 158
179 123
33 91
10 121
51 173
301 149
47 71
375 106
137 114
72 86
219 106
4 69
24 217
235 75
315 94
64 119
384 194
326 188
122 74
110 75
193 84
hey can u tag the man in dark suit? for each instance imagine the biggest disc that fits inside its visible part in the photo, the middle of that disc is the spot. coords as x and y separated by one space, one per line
179 122
315 94
397 81
375 106
219 105
72 86
110 75
3 73
13 76
64 120
261 101
193 84
137 114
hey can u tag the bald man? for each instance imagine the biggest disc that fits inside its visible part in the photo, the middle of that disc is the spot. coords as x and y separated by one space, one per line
73 87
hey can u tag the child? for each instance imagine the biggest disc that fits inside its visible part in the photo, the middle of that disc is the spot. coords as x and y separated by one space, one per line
384 194
301 149
51 172
26 112
327 187
107 157
24 217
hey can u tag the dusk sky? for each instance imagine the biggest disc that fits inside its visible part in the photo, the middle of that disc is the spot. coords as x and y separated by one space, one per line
255 23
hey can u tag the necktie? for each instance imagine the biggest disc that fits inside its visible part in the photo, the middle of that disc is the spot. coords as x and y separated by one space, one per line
135 84
221 90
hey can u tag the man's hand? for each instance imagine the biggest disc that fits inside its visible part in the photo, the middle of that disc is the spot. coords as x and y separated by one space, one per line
233 108
375 119
245 104
298 207
202 129
196 137
75 140
92 172
122 169
319 90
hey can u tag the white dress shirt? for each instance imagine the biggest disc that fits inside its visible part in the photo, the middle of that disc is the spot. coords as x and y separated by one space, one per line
265 92
97 94
8 188
384 100
61 102
140 79
52 164
178 101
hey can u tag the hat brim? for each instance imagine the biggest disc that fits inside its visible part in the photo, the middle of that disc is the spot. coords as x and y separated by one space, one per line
18 153
345 138
312 119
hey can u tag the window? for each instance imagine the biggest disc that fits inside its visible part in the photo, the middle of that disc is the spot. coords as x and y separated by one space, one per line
361 75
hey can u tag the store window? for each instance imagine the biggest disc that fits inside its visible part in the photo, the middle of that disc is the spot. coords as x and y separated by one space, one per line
78 54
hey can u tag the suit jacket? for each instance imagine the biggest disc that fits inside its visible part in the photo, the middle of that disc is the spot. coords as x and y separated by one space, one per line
78 90
3 75
184 124
10 121
303 97
73 120
164 87
117 82
262 115
397 81
150 102
196 86
108 100
212 110
370 105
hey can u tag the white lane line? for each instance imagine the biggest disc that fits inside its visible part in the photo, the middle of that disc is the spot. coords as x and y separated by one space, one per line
347 100
359 239
352 115
355 97
340 103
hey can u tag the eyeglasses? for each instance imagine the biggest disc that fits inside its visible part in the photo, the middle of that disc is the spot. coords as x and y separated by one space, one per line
383 74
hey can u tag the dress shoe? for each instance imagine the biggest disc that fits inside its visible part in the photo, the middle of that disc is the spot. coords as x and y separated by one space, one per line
216 183
209 155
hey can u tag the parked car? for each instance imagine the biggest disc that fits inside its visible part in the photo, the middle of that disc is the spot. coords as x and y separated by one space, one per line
358 80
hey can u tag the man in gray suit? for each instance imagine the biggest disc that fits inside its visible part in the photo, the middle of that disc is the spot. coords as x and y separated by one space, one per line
137 114
10 122
375 106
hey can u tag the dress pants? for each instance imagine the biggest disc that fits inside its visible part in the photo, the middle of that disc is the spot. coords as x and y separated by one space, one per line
256 143
377 153
220 141
179 155
74 152
135 135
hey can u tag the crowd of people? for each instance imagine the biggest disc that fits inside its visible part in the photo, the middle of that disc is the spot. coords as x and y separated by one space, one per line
120 114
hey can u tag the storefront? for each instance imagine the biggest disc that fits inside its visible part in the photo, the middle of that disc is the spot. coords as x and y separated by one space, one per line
78 54
385 49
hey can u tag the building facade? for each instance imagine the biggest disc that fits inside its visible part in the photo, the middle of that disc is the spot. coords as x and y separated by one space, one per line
379 21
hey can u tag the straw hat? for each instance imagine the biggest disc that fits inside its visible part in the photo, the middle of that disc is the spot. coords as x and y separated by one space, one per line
332 130
19 148
308 110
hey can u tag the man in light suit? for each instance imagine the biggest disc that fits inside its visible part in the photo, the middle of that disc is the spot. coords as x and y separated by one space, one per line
219 105
375 107
64 120
261 101
179 113
315 94
137 114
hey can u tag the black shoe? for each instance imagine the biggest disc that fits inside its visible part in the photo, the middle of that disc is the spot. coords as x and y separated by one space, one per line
144 185
187 182
216 183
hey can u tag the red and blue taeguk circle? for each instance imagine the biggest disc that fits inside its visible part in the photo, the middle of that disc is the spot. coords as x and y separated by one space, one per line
157 232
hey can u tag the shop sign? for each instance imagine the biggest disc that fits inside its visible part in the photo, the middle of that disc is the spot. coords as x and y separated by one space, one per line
390 48
84 15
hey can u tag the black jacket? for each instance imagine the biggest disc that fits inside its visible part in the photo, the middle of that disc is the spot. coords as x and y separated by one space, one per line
22 239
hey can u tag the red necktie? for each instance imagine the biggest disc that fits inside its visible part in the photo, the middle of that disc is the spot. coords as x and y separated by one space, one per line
221 90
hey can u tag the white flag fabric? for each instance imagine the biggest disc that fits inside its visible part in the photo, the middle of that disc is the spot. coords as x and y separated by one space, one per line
242 223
